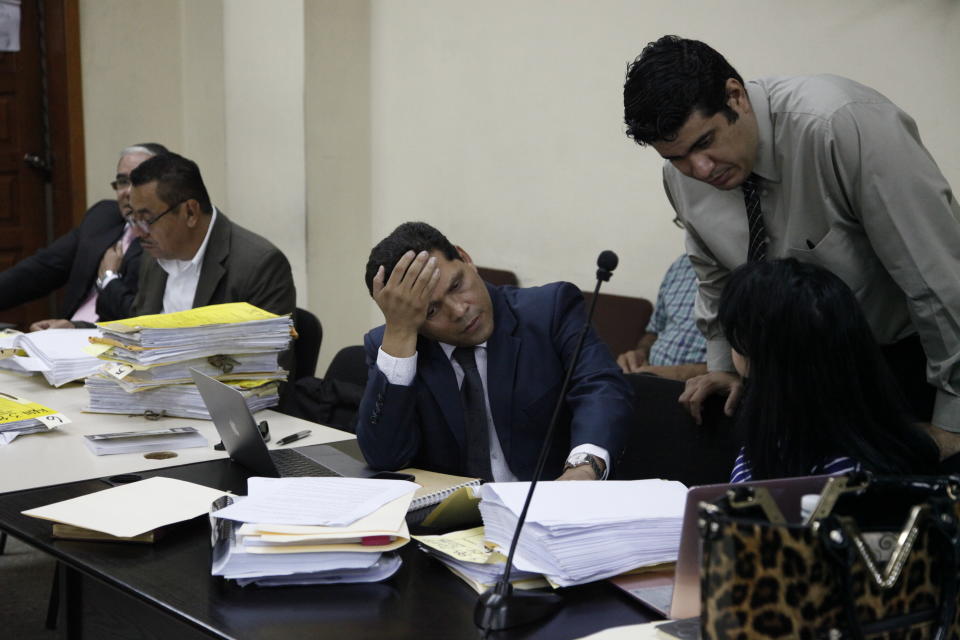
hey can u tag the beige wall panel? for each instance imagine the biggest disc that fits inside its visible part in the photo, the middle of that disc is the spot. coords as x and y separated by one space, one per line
337 99
131 56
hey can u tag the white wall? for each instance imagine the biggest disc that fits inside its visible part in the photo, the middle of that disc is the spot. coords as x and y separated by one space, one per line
337 105
132 82
501 122
263 113
324 124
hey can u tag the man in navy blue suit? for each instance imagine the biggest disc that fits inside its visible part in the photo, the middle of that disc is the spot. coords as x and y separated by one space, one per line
464 376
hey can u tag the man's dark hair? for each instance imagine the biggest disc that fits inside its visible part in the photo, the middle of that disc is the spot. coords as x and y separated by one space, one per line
415 236
178 179
670 79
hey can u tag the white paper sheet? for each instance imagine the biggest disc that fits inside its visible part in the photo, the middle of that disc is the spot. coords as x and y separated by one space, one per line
592 502
314 501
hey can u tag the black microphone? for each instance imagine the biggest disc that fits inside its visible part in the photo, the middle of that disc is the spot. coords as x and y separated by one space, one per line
501 607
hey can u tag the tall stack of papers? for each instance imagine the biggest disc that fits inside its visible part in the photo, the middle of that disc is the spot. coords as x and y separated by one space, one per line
146 361
19 416
312 531
59 354
578 532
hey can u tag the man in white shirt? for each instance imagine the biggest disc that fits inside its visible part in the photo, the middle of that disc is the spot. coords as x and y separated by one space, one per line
199 256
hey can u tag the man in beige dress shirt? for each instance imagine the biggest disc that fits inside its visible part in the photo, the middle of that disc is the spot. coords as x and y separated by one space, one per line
844 182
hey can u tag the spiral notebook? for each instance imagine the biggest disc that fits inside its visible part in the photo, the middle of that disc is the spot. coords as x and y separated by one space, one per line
434 487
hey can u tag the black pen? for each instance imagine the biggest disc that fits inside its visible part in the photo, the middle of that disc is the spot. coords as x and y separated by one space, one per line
299 435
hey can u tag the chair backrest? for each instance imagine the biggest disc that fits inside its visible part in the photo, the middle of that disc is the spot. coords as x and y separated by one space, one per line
498 276
349 365
620 321
306 348
665 442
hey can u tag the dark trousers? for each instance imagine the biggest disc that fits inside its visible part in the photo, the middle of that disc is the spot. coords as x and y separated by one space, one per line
908 364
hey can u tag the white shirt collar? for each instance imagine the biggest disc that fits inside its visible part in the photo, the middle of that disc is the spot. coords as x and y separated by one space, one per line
178 266
448 348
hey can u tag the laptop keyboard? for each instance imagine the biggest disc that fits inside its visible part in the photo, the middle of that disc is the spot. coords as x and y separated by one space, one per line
292 463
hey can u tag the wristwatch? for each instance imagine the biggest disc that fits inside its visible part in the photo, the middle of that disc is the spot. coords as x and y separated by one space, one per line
580 459
107 276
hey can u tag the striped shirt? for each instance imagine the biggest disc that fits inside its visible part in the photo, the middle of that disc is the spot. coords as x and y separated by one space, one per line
679 341
742 472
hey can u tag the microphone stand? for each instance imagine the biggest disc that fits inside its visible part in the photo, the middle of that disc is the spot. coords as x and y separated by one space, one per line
501 606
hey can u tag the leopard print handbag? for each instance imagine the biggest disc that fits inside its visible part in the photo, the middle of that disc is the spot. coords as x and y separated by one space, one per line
878 559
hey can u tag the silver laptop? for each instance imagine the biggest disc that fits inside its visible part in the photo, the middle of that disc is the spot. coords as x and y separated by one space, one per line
243 441
676 594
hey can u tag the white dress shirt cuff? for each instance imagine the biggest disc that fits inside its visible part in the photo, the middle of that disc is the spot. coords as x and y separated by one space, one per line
398 371
102 284
592 449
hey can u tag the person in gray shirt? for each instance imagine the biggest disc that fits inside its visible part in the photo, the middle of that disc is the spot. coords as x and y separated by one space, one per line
819 168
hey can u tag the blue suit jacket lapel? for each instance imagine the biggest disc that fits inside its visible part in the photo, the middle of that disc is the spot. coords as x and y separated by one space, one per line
503 349
437 373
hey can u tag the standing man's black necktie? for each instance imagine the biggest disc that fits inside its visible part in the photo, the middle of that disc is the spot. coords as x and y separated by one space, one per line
757 249
475 412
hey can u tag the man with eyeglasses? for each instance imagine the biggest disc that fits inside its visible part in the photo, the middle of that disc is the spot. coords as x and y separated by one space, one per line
98 262
199 257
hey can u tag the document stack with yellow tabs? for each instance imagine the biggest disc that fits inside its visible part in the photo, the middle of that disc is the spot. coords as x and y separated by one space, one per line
146 361
290 531
19 416
474 561
578 532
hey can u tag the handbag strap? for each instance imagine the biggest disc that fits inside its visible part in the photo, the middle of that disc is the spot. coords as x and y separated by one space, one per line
942 519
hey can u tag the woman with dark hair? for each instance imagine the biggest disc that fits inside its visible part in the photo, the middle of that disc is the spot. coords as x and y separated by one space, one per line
818 397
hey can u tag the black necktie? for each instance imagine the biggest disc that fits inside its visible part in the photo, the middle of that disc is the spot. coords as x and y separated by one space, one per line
475 412
757 249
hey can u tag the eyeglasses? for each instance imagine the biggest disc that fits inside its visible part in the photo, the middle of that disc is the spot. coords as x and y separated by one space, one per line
122 182
144 225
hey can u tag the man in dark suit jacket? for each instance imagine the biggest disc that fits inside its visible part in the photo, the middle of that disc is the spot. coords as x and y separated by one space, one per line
100 276
197 256
420 405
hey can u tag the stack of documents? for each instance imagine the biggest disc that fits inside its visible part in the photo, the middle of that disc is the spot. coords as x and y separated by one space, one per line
181 400
290 531
19 416
474 561
59 354
578 532
146 361
104 444
244 366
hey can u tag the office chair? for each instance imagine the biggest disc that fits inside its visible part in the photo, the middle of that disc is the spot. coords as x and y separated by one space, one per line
498 276
665 442
349 365
306 348
620 321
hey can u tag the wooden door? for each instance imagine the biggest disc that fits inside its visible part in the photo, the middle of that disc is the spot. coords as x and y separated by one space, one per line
26 220
23 217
